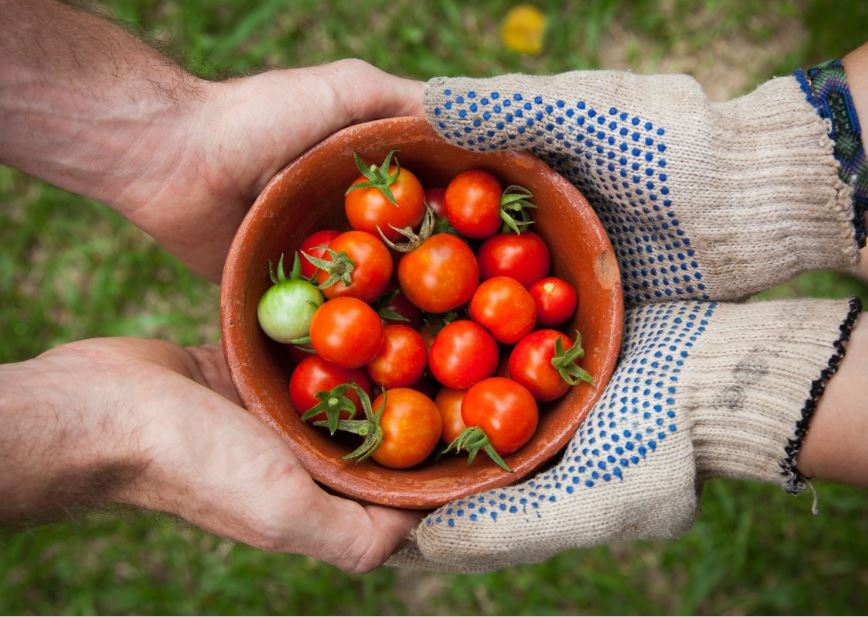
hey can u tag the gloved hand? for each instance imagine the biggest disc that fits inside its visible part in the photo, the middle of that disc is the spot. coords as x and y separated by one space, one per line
702 201
702 390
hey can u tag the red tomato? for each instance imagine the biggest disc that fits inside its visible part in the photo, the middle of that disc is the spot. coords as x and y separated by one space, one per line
411 428
555 300
395 302
530 364
504 409
448 401
313 375
346 332
434 199
440 275
428 335
462 354
401 360
472 203
371 266
524 257
296 354
505 308
427 386
319 238
368 209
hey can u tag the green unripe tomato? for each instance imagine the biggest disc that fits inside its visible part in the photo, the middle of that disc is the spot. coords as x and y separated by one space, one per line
287 307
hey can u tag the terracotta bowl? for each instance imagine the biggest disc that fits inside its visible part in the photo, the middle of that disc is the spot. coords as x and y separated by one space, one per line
307 196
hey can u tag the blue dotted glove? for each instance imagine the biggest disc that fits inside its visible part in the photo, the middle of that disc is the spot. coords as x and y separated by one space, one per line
701 200
702 390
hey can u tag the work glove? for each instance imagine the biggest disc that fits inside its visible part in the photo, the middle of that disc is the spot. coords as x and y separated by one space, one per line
704 202
701 200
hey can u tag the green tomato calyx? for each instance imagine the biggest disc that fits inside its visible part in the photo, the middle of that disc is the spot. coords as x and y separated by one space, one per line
564 362
472 440
280 275
331 403
414 240
339 268
378 177
515 204
369 427
385 312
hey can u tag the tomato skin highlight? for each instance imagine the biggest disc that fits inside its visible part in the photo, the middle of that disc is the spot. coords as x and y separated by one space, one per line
472 203
347 332
530 364
411 428
555 300
322 238
448 401
462 353
505 308
525 257
368 209
440 275
314 374
373 266
504 409
401 360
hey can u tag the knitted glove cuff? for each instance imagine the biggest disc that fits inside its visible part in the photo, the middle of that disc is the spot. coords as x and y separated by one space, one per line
826 88
755 383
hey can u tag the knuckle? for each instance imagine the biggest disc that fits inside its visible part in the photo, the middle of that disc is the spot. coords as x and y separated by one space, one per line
363 555
352 65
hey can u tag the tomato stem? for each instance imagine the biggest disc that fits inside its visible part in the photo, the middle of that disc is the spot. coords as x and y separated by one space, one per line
332 403
280 275
339 268
514 205
378 178
414 240
369 427
564 362
473 439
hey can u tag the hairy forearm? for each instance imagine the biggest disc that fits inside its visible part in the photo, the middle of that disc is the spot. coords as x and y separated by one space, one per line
59 450
87 106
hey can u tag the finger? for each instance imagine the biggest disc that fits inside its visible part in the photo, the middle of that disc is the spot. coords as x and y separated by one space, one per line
364 92
353 537
213 371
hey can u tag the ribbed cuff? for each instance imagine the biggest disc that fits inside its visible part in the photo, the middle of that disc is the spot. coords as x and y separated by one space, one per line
755 383
826 88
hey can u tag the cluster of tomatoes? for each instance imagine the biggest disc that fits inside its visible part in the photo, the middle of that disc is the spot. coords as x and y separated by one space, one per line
353 326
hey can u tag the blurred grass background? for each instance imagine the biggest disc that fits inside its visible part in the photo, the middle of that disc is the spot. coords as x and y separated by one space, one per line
70 268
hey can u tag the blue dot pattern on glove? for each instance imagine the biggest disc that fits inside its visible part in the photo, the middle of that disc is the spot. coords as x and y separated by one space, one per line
615 158
634 416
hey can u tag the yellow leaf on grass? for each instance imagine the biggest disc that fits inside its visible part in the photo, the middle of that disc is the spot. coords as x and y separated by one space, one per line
523 28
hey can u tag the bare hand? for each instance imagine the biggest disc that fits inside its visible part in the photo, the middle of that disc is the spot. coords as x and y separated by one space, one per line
154 425
242 133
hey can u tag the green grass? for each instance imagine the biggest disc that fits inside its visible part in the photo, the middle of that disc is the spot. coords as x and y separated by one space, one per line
70 269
